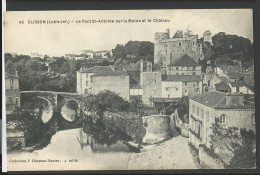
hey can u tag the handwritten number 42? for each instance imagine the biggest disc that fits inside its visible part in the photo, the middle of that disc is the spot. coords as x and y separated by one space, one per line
21 22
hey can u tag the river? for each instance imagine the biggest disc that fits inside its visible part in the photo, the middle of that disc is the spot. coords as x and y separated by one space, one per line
66 149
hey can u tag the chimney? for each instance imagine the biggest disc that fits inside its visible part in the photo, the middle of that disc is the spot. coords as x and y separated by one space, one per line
168 31
235 99
149 67
141 71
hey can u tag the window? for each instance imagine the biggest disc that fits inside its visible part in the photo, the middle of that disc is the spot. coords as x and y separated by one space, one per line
179 43
198 111
87 83
253 118
222 119
193 109
177 68
182 73
168 96
202 114
176 88
237 89
177 74
16 100
194 68
11 83
166 88
207 116
185 83
198 83
86 91
193 73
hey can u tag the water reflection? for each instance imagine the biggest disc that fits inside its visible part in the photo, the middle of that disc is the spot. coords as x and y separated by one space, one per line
96 135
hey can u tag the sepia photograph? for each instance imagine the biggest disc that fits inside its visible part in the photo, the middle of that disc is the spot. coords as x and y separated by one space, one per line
129 89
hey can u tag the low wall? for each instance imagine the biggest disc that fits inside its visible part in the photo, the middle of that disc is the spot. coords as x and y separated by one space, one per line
184 127
208 161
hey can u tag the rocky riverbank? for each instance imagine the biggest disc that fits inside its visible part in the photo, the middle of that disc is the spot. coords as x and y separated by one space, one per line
171 154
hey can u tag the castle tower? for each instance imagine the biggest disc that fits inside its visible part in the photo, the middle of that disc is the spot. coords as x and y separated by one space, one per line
207 36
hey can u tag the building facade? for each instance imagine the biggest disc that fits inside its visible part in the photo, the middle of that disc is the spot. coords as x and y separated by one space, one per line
12 92
231 110
100 78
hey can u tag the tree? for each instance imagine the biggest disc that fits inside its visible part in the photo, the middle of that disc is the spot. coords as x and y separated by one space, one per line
241 143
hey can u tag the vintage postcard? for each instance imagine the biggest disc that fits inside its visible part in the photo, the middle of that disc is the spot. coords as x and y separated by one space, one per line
129 90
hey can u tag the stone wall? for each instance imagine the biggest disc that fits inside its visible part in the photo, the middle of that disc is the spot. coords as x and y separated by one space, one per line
183 127
157 128
151 86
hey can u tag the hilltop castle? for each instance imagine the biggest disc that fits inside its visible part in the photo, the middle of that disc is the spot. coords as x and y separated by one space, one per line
167 50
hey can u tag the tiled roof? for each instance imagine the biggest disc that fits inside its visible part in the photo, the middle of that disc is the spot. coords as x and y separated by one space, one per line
222 86
217 100
12 93
185 61
182 78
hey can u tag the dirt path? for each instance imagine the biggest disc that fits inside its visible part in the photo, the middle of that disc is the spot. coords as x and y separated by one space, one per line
172 154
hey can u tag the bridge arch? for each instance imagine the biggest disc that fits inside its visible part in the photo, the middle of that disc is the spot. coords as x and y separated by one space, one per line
46 111
70 109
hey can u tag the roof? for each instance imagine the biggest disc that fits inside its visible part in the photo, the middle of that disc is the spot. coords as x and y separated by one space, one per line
234 74
97 69
8 76
12 93
217 100
104 71
222 86
185 61
182 78
224 79
238 84
167 100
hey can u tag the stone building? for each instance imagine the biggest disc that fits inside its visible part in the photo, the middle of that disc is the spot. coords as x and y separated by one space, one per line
168 49
181 85
184 66
99 78
232 110
12 92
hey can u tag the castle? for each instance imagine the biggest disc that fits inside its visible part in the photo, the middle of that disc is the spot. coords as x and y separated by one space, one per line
167 50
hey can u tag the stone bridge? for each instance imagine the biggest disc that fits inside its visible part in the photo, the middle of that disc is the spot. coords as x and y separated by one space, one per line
56 101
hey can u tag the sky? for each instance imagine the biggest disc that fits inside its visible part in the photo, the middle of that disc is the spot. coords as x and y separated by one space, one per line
61 39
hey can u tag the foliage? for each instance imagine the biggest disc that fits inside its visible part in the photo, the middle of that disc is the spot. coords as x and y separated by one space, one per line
183 111
244 155
240 143
105 100
232 47
134 51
